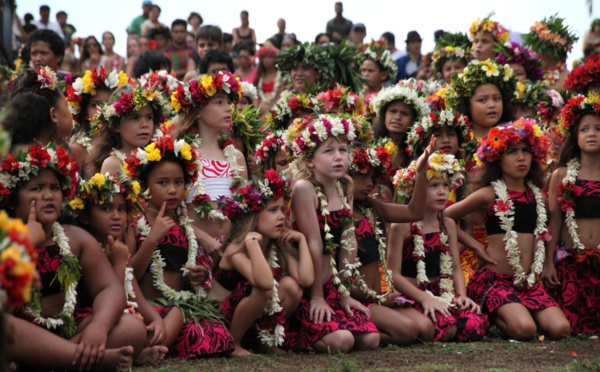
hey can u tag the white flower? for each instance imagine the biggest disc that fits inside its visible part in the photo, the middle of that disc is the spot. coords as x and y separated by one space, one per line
78 86
177 146
112 80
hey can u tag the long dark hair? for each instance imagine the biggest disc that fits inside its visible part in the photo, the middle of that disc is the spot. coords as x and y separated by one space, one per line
570 148
464 107
493 172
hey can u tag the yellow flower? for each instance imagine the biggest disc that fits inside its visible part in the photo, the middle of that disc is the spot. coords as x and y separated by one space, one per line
391 148
520 90
135 188
491 69
16 224
152 153
450 49
88 83
98 179
3 219
77 203
207 84
175 103
131 197
488 26
436 160
537 131
593 97
123 79
186 151
432 173
11 252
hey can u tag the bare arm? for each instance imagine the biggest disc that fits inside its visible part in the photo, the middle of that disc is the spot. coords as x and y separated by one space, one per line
556 224
301 269
253 266
477 201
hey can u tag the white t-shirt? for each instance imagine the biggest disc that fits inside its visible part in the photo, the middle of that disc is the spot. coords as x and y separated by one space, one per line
54 26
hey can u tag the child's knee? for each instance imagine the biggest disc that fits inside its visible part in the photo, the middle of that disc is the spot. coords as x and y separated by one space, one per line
130 330
405 332
290 288
559 329
367 341
339 341
523 329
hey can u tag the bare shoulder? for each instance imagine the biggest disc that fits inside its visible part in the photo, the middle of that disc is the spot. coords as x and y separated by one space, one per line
449 223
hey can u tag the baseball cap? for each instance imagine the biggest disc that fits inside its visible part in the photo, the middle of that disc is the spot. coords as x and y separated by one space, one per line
359 27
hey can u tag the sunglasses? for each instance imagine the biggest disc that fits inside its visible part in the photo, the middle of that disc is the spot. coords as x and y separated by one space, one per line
92 45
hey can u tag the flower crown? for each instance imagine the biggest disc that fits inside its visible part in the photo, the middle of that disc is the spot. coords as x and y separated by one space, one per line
197 93
529 93
550 37
584 74
368 105
161 81
576 107
91 81
378 158
512 52
423 87
401 93
500 34
428 124
17 262
362 128
253 196
308 53
304 135
437 100
338 100
16 171
510 134
290 105
551 100
377 52
110 113
47 78
269 146
101 188
455 46
247 126
160 147
249 91
477 73
438 165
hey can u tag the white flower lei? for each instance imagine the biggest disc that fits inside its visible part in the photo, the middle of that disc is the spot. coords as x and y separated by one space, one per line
446 274
157 263
129 293
570 179
405 94
375 226
512 247
269 97
274 337
71 294
82 139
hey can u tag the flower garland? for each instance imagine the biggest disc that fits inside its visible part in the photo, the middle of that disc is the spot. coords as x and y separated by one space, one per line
424 128
382 244
83 139
504 209
47 78
309 54
90 82
377 52
551 100
567 194
197 93
288 106
249 91
270 145
269 97
552 77
68 275
405 94
550 37
529 93
161 81
575 108
586 73
446 273
338 100
500 34
512 52
376 158
273 337
129 292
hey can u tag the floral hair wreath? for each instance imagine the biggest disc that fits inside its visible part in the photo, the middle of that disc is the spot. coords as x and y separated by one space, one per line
290 105
137 98
17 170
247 126
378 158
477 73
500 34
529 93
253 196
362 128
339 100
101 188
91 81
308 53
550 101
584 74
428 124
197 93
438 165
303 136
269 146
576 107
249 91
510 134
401 93
512 52
448 53
47 78
17 262
368 106
161 81
423 87
437 100
377 52
550 37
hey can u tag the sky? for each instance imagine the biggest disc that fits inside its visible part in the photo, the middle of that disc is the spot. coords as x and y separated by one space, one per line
307 18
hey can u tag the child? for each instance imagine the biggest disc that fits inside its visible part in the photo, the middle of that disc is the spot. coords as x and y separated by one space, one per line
486 35
271 153
306 66
451 56
123 125
108 204
508 198
260 275
165 259
424 256
67 257
574 198
377 67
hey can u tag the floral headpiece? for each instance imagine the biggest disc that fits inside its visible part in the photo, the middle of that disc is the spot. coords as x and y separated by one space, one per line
477 73
247 126
91 81
47 78
345 58
338 100
399 93
551 100
551 38
576 107
249 91
161 81
197 93
428 124
290 105
111 113
437 100
17 262
377 52
101 188
368 105
529 93
267 50
450 47
269 146
422 87
253 196
303 136
584 74
162 146
362 128
512 52
16 171
308 53
510 134
500 34
363 159
438 166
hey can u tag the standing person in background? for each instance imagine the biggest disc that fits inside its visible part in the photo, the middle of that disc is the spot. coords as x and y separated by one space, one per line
135 28
207 38
277 39
244 33
68 29
245 56
195 20
113 60
339 27
45 24
29 27
92 54
390 41
152 21
408 65
178 52
46 48
133 51
357 35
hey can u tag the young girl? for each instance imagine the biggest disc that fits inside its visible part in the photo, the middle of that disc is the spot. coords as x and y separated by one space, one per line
249 96
260 275
574 198
108 204
271 153
424 256
268 80
451 55
509 199
69 260
84 95
165 259
377 67
525 63
486 34
123 125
